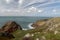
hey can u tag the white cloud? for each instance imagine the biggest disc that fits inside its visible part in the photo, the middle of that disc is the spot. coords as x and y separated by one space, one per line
8 1
32 9
54 10
20 1
40 11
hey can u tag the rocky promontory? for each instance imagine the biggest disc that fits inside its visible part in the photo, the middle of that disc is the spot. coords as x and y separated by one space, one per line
7 29
11 26
52 24
39 23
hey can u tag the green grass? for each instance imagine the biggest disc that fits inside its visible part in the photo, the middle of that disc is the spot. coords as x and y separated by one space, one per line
19 34
48 35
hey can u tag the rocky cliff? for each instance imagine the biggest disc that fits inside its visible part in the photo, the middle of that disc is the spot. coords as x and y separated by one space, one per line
11 26
7 29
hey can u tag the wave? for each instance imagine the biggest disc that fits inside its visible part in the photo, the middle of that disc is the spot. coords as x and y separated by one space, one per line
30 27
25 29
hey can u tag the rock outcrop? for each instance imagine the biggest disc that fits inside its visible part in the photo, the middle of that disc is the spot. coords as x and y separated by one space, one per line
7 29
39 23
11 26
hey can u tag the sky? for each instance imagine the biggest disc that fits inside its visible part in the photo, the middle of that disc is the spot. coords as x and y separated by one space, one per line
42 8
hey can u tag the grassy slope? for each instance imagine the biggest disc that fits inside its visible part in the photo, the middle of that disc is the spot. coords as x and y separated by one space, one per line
48 35
20 34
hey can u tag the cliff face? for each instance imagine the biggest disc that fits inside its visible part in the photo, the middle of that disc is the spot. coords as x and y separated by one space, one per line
11 26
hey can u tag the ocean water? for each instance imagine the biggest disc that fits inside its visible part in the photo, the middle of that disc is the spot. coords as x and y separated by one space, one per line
23 21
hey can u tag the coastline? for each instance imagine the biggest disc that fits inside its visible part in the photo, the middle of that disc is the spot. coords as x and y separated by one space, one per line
29 27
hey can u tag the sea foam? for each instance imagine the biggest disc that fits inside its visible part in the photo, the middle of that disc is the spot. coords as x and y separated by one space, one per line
30 27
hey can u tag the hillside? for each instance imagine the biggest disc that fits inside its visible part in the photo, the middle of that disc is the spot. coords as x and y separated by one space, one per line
49 31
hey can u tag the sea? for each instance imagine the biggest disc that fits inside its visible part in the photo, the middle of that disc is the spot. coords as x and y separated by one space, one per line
24 21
